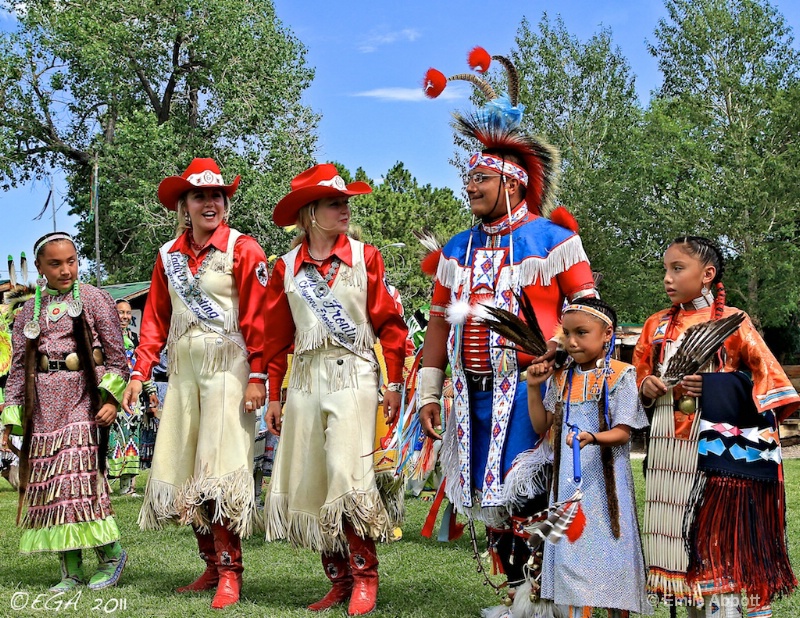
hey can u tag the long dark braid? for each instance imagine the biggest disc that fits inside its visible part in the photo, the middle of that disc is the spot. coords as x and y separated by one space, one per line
83 340
606 452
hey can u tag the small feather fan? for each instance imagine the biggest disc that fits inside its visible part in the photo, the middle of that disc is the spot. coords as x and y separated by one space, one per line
524 333
695 347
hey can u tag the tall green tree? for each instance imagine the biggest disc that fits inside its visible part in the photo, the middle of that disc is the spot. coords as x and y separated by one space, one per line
731 82
142 87
581 96
397 207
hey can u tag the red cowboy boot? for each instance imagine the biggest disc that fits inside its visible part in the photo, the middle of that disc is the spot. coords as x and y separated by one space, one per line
337 568
228 546
364 567
209 578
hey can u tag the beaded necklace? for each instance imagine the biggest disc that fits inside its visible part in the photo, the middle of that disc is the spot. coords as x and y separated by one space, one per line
191 288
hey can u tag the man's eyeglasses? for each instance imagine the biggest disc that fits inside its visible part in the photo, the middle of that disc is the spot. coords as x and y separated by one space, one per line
479 177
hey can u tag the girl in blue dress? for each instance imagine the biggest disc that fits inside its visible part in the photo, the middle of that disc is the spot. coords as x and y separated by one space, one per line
592 399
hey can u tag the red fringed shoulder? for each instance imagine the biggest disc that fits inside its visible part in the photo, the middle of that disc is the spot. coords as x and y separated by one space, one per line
563 217
430 263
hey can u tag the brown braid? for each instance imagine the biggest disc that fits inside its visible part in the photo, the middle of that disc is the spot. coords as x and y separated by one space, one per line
609 474
27 420
707 252
83 340
558 421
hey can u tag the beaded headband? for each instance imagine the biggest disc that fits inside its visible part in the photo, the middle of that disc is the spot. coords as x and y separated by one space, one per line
44 241
500 165
591 311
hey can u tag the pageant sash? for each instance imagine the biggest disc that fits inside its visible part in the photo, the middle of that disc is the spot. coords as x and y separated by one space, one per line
208 312
319 297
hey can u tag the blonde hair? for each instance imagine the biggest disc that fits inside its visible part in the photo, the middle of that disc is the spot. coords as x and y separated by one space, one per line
303 223
182 215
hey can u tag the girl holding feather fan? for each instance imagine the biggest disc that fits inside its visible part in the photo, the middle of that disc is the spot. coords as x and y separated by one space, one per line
592 400
714 521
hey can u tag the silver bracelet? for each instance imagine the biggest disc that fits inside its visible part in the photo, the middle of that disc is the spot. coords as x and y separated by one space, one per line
395 387
260 376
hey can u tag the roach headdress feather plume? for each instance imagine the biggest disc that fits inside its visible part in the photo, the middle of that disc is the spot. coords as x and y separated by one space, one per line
496 125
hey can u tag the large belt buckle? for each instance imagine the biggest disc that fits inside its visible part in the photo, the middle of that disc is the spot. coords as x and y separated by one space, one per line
52 365
72 361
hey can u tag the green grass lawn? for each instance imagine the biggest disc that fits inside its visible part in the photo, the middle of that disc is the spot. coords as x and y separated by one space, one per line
419 577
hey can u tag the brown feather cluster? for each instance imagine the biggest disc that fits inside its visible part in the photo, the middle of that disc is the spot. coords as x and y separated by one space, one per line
525 332
513 78
696 346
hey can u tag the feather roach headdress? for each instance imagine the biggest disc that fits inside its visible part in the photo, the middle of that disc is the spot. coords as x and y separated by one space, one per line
497 126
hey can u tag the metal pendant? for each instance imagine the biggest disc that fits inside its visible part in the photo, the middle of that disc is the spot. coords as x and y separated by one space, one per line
56 311
321 289
32 330
687 405
75 307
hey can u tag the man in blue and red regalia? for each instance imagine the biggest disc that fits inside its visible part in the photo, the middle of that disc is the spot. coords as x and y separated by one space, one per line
513 249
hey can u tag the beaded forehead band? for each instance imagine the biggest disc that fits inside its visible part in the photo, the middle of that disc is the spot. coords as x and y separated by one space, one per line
499 165
591 311
44 241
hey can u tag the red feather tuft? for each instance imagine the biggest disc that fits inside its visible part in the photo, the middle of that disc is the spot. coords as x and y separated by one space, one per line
430 263
479 59
561 216
434 83
575 529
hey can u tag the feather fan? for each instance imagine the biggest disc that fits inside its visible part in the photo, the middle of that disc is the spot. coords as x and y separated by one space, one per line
695 347
563 519
523 333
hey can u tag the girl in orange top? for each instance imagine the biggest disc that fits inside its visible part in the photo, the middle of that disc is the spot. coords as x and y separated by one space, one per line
714 480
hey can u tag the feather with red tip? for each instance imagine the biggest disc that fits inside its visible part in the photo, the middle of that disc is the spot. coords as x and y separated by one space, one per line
563 217
430 263
575 529
434 83
479 59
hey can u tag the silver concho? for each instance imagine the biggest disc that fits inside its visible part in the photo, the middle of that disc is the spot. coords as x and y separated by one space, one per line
321 289
32 330
74 307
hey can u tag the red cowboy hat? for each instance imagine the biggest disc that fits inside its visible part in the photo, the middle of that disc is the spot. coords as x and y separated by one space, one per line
201 173
320 181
